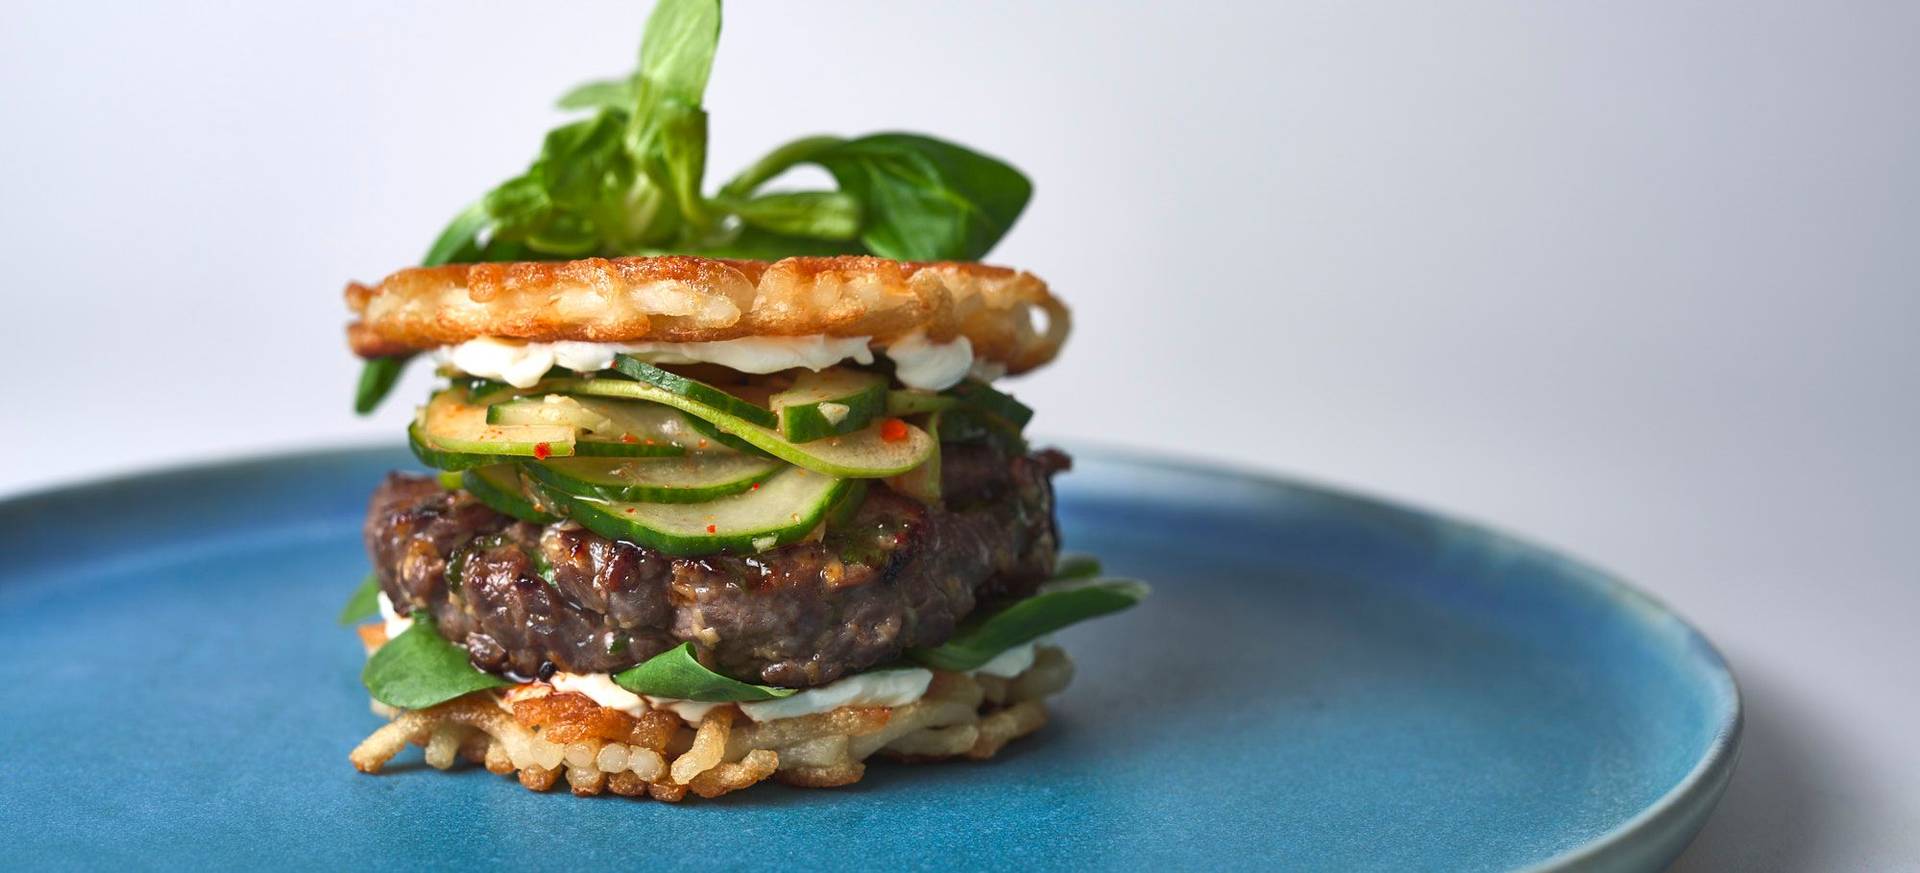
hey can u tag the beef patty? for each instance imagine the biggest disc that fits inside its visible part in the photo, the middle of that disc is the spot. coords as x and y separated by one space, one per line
898 574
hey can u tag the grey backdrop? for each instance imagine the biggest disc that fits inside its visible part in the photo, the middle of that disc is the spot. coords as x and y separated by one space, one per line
1635 279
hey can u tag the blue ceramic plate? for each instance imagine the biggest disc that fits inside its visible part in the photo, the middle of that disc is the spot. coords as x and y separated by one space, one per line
1320 681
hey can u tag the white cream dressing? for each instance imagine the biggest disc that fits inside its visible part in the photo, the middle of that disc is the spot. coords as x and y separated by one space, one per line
918 362
879 688
394 623
921 363
1011 662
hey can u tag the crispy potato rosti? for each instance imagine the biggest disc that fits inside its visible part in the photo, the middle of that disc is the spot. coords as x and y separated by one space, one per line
691 299
542 737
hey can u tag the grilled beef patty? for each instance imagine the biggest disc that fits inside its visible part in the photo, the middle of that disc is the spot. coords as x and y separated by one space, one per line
898 574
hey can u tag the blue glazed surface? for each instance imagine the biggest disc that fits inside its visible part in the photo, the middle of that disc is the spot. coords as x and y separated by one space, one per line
1319 682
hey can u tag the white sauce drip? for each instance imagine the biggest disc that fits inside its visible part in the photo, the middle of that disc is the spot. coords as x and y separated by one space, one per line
918 363
1011 662
877 688
394 623
922 363
880 688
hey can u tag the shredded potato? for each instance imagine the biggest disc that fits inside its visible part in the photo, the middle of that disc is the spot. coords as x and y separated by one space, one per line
691 299
541 737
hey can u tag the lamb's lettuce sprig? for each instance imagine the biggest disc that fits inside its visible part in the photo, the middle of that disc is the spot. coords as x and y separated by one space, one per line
629 179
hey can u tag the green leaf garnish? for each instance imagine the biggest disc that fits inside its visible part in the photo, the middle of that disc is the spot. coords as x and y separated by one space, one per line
1076 565
364 603
604 94
676 52
628 180
678 674
377 376
823 215
1060 603
419 668
925 199
993 401
460 241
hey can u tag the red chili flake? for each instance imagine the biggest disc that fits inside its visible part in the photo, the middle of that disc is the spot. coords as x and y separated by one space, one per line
703 443
711 528
542 451
648 441
893 430
630 438
630 510
756 486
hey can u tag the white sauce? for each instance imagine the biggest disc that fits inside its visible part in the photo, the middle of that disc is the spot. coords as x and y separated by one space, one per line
917 362
987 371
1011 662
395 623
922 363
880 688
601 688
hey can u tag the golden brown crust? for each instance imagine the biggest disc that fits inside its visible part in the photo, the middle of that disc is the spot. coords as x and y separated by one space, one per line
540 735
691 299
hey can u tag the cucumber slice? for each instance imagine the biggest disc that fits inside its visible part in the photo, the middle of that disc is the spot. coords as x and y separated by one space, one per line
828 403
863 454
848 504
715 435
922 483
782 510
549 409
449 423
610 428
982 396
483 390
440 460
594 447
692 479
694 390
499 487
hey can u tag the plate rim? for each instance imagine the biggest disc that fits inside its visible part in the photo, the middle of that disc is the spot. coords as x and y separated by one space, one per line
1695 795
1621 847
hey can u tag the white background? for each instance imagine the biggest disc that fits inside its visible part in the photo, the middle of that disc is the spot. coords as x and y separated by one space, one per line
1639 280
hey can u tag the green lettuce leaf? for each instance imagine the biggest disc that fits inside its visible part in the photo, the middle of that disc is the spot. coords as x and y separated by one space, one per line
628 180
419 668
1075 565
364 602
677 673
460 241
826 215
927 199
377 377
919 198
603 94
1058 604
677 49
